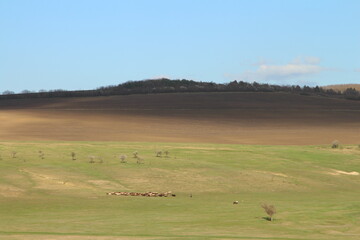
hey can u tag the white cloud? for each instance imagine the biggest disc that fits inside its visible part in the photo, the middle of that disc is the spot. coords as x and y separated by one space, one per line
286 71
299 67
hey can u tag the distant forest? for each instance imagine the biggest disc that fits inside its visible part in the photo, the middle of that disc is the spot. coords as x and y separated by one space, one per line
165 85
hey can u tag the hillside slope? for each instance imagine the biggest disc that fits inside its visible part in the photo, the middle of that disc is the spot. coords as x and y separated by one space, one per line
342 87
247 118
315 189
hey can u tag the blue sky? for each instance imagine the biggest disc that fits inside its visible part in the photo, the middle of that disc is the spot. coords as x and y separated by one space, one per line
85 44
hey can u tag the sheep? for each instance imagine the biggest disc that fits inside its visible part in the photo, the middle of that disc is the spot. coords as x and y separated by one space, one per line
146 194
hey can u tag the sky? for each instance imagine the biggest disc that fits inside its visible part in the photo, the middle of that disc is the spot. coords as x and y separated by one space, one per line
85 44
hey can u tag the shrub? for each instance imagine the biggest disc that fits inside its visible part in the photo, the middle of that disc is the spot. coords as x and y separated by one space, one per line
41 154
335 144
91 159
270 210
159 154
135 154
123 158
73 156
139 160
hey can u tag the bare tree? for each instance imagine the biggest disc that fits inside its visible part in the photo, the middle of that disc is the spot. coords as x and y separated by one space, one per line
13 154
91 159
25 91
158 153
166 153
41 154
135 154
139 160
73 156
269 209
7 92
123 158
335 144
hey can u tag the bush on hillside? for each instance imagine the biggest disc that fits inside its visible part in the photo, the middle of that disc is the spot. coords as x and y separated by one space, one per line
335 144
270 210
73 156
123 158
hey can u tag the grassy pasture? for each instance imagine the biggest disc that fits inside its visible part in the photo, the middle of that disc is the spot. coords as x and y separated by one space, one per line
315 189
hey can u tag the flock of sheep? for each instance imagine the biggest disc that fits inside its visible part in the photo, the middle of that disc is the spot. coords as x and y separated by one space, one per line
147 194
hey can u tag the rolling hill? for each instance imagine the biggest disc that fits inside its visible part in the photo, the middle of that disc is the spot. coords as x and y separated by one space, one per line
46 193
241 118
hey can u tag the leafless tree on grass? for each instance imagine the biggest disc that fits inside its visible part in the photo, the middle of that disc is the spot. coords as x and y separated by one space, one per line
270 210
139 160
41 154
158 153
123 158
73 156
335 144
135 154
91 159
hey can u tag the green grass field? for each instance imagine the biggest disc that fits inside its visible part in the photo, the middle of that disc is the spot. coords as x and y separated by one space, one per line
315 189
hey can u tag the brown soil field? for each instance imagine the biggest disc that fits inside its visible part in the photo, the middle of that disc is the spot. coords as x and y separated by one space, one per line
342 87
239 118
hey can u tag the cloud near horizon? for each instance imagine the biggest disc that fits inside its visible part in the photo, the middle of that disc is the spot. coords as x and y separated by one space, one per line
299 67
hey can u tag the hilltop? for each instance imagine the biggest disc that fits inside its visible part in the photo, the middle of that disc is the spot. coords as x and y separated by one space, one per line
164 85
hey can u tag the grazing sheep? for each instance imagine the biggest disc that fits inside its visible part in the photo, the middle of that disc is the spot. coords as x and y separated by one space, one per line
147 194
236 202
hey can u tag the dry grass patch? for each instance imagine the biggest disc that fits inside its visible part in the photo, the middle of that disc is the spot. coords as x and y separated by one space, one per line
338 172
7 190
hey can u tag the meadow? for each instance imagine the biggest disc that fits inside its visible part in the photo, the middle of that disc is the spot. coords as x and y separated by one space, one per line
48 195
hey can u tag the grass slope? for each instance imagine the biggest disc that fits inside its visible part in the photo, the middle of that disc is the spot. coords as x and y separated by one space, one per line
342 87
315 189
